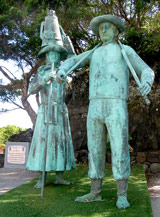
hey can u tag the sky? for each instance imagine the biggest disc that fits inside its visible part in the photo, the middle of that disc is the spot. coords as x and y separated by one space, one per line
18 117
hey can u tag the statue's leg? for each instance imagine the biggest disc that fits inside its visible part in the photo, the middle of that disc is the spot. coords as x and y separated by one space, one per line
96 135
60 179
39 183
117 125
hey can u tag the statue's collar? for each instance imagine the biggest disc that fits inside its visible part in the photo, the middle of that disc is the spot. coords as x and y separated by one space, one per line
109 42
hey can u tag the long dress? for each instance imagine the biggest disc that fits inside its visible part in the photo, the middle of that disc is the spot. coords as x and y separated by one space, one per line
60 153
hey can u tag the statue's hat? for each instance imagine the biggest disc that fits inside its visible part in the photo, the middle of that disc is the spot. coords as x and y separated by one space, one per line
53 47
95 22
51 36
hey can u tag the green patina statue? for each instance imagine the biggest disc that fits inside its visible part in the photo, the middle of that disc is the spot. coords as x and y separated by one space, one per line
108 94
52 127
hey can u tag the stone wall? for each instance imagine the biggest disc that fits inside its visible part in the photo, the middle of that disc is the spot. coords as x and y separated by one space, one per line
24 136
150 159
78 118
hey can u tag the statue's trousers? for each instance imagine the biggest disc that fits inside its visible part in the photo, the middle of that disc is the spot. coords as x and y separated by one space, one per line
108 115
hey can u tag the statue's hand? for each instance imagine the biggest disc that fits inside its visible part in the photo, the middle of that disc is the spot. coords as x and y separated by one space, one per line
145 88
61 76
52 75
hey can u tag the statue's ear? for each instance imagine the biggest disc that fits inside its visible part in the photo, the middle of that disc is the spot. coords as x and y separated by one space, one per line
116 32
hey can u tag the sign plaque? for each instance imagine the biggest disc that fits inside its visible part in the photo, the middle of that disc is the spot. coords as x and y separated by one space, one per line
16 154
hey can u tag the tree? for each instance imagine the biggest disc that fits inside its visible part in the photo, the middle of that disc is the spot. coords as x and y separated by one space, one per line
7 132
20 42
18 38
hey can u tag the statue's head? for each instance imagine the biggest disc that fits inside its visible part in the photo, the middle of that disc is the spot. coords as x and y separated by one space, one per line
52 57
51 49
51 13
108 32
107 26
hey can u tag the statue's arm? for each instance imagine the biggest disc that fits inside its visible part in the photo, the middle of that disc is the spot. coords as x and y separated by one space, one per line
67 64
35 85
80 61
39 81
144 72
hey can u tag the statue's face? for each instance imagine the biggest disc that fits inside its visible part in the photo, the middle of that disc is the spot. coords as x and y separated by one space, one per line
53 57
108 32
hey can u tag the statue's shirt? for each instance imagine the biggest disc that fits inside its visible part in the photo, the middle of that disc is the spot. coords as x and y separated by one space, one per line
57 95
109 77
39 84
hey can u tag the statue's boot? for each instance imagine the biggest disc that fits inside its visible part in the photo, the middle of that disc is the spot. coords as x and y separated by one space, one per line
122 202
39 183
95 193
60 179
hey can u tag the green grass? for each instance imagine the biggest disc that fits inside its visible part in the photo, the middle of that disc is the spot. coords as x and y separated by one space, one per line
25 201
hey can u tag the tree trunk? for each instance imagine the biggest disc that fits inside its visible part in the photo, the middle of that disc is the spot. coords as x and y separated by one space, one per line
32 114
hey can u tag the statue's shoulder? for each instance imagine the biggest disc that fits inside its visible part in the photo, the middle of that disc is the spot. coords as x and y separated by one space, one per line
42 69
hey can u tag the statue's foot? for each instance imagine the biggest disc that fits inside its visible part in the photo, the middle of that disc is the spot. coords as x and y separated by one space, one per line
122 202
63 182
89 198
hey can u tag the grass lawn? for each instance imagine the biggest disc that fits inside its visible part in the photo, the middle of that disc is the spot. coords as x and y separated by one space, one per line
25 201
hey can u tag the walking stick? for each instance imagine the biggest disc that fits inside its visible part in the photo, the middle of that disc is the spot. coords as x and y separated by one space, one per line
133 71
46 141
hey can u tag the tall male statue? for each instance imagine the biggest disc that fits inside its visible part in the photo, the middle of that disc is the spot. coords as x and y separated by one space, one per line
108 93
52 125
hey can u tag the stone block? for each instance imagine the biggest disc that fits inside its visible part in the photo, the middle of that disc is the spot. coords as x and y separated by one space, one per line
141 157
85 159
155 168
153 157
132 158
81 156
145 167
133 153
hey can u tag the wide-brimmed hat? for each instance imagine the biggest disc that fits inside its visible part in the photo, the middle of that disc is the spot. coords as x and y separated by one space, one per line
95 22
53 47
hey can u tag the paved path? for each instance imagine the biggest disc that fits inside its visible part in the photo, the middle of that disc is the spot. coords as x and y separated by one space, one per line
11 178
154 192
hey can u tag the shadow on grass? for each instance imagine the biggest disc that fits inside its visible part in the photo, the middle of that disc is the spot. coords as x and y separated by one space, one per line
25 201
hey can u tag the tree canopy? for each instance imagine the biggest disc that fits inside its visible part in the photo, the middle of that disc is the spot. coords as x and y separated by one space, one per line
20 42
7 132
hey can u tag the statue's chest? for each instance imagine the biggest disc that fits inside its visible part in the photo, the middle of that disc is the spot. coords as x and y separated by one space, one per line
107 56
